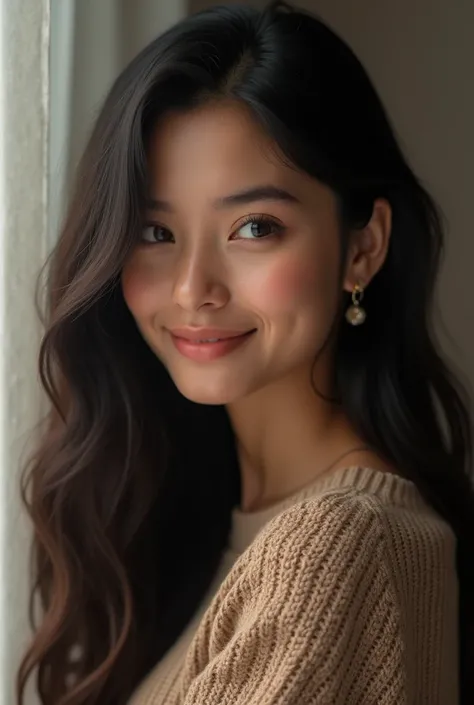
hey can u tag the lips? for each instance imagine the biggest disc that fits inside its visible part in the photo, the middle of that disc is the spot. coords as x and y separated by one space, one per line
207 344
199 335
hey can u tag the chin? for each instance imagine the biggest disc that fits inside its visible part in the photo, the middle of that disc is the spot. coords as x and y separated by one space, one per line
212 397
210 391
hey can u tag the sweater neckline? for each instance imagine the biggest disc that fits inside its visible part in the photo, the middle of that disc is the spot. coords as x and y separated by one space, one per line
397 489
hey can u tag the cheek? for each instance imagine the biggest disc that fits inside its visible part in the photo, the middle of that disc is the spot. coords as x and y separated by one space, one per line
289 285
141 288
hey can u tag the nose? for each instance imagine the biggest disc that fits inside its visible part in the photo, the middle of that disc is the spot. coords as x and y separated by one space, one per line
199 281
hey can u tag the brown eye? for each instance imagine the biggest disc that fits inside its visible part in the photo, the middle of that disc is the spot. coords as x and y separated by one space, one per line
257 228
156 234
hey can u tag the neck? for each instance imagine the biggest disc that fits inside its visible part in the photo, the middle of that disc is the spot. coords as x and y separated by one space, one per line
286 435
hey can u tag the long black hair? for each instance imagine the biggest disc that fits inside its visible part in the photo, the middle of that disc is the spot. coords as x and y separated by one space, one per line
132 486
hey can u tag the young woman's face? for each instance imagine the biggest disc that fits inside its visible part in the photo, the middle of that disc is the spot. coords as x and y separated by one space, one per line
236 282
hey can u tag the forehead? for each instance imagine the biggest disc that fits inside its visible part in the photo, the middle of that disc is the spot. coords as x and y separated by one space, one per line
219 130
219 148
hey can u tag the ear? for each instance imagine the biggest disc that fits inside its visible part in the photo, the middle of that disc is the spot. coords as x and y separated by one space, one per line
368 247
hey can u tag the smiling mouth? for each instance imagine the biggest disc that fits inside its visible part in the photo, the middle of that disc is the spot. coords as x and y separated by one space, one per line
212 340
206 349
206 335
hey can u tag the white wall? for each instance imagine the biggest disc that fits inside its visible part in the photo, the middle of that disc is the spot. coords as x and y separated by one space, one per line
24 35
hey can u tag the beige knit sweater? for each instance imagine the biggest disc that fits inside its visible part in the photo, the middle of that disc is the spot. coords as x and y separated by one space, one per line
344 594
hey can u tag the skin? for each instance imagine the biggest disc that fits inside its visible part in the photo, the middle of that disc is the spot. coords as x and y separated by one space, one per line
198 264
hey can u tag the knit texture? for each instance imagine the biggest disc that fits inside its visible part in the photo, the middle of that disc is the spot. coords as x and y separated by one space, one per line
346 595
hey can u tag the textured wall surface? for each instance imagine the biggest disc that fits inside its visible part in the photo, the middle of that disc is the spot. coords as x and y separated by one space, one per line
23 138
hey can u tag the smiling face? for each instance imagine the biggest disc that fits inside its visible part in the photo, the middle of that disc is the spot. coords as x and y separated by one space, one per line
238 244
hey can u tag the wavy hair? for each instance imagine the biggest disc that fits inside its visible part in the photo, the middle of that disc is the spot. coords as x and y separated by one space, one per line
131 488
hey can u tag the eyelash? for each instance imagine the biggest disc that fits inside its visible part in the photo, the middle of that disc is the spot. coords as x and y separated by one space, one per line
261 219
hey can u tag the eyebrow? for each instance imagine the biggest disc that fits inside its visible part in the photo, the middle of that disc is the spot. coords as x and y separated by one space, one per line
251 195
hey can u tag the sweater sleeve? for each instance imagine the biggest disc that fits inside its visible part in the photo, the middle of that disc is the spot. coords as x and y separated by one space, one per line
308 615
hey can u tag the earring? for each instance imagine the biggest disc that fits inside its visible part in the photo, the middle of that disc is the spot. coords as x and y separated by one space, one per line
355 314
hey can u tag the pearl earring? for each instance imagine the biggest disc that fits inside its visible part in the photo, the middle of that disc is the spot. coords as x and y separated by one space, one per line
355 314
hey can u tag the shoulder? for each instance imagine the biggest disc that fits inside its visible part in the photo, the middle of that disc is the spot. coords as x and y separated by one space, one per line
337 522
378 510
350 541
347 543
323 546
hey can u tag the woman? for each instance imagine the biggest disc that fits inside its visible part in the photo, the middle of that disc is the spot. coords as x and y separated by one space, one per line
253 486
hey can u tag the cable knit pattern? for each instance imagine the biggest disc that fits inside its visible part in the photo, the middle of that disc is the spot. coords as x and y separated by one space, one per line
347 597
